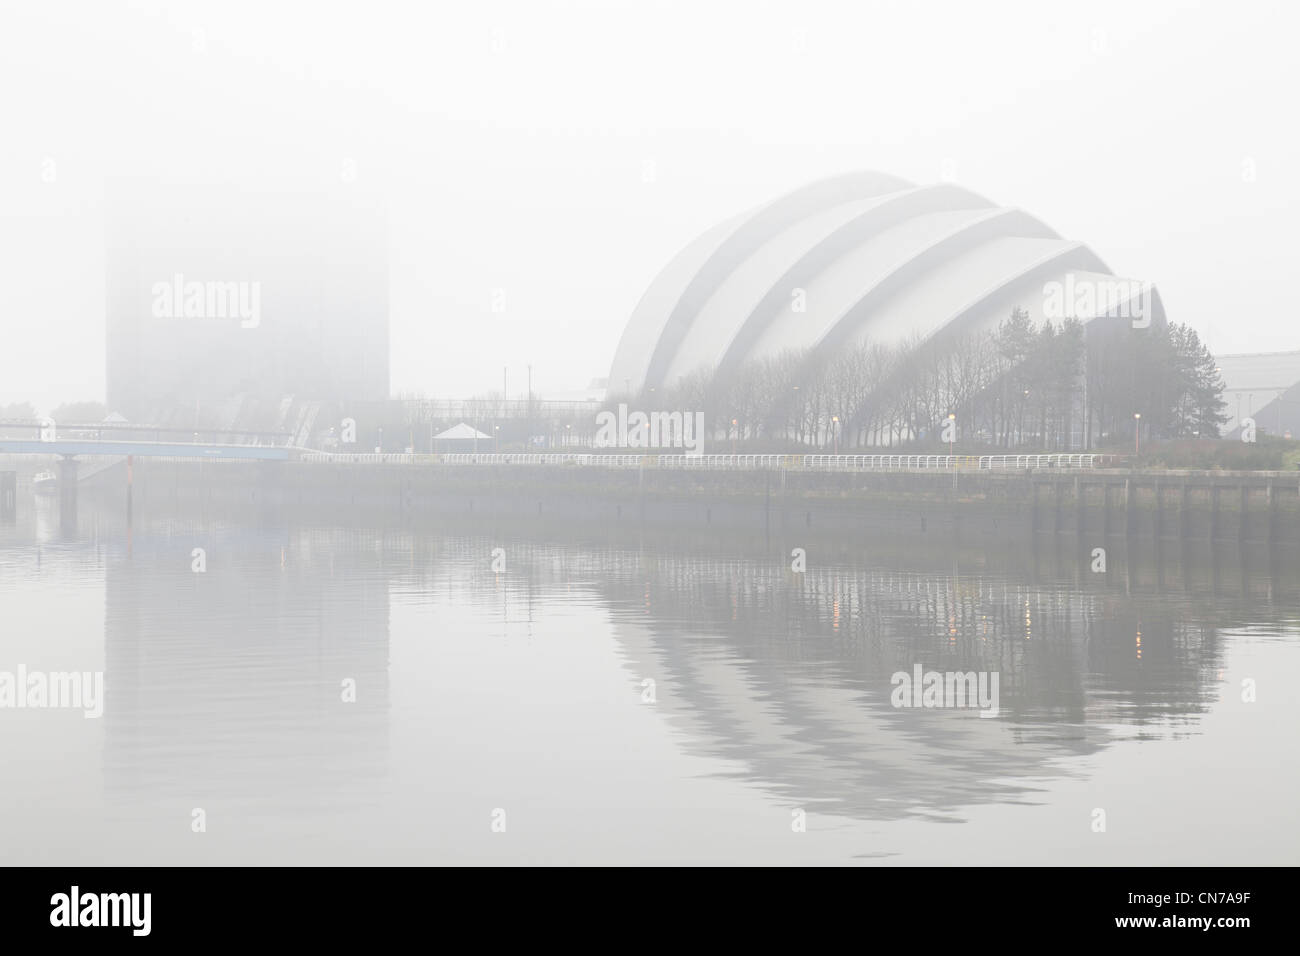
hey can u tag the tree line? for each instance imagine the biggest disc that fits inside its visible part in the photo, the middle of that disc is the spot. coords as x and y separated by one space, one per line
1048 387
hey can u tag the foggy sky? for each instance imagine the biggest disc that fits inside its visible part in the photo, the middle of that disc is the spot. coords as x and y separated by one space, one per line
563 152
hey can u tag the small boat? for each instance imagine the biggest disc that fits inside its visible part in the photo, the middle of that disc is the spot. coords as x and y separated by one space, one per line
45 483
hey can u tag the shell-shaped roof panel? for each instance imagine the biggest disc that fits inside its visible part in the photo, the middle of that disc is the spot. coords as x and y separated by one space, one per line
864 256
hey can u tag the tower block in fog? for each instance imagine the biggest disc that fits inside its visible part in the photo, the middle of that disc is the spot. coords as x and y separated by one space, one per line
244 305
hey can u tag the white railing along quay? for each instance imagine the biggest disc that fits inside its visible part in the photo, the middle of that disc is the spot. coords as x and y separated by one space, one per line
739 462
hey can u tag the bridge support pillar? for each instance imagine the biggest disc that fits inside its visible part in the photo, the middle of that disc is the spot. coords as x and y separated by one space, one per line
270 489
1184 515
1130 503
1271 496
68 496
8 495
1158 521
1080 494
1242 525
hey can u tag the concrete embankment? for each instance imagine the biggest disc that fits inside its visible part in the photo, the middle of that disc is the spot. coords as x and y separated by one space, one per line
1247 506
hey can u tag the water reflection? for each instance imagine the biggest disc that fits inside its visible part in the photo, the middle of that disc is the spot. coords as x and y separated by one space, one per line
225 687
259 682
788 674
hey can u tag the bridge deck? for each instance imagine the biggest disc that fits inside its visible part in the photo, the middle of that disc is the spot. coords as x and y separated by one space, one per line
74 447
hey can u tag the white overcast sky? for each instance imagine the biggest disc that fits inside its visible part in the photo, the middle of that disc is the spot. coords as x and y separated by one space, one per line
510 140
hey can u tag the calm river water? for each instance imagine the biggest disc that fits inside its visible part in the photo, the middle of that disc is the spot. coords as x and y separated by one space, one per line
536 696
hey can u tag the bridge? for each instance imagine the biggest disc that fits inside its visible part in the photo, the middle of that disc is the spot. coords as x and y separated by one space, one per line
86 442
75 447
145 441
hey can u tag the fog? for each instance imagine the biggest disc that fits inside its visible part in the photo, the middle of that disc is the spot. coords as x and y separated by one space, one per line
551 158
664 433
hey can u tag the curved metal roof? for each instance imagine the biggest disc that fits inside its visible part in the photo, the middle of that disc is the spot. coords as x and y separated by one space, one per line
859 256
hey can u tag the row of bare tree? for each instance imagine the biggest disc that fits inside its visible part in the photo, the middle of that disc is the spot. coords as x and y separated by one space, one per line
1020 385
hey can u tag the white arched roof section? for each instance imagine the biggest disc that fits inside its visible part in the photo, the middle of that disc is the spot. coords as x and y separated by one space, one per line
643 330
1126 298
835 246
906 253
1028 293
718 321
744 240
875 258
970 287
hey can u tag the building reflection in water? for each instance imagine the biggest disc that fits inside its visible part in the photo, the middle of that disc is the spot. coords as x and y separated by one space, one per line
226 687
787 675
784 675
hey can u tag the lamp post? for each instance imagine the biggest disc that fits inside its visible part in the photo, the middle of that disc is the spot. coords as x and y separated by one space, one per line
835 430
952 435
734 423
798 416
1137 434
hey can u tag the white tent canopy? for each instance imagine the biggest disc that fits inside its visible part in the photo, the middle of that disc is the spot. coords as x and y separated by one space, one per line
462 432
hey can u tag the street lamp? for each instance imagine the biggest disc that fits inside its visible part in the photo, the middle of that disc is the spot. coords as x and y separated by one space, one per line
835 430
952 434
1137 433
795 389
734 423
